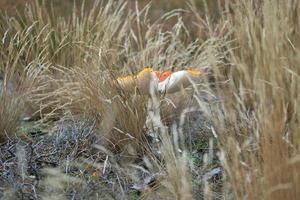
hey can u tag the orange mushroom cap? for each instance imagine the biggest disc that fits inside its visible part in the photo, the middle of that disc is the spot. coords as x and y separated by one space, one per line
164 76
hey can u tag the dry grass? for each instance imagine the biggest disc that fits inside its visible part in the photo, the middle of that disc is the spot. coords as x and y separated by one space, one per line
64 69
257 123
79 59
16 81
95 96
10 112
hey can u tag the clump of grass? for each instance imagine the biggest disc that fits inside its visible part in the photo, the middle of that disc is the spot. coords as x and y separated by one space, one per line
10 114
16 85
257 123
91 41
97 97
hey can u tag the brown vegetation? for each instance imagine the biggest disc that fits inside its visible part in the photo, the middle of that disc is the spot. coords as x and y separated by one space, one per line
65 70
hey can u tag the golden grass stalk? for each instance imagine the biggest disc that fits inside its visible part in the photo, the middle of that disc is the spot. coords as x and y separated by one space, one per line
96 96
257 122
